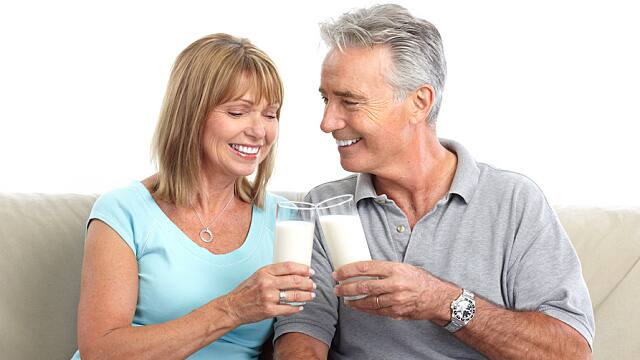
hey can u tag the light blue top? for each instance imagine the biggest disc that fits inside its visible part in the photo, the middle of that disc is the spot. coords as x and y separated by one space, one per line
177 276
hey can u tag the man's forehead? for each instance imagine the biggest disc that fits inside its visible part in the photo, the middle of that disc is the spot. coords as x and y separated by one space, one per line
355 72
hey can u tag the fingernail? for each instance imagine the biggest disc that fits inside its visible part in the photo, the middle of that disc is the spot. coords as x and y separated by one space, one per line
313 295
314 286
312 272
333 274
301 308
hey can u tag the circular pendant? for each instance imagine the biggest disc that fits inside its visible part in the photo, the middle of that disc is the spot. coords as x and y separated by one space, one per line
206 235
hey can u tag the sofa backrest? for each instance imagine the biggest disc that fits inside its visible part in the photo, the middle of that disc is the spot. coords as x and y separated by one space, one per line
42 239
42 236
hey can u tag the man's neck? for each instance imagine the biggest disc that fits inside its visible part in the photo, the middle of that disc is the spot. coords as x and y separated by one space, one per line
418 184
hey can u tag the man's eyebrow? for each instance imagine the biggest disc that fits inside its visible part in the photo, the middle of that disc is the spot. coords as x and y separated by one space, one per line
344 93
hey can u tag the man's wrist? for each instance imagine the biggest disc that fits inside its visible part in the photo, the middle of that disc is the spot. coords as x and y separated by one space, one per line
443 296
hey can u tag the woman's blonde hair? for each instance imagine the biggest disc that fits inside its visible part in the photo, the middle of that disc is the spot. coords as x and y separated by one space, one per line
213 70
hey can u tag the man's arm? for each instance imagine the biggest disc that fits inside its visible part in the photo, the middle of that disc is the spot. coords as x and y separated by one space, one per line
300 346
406 292
499 333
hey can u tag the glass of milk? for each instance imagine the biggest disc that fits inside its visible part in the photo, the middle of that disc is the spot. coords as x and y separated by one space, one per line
295 223
343 234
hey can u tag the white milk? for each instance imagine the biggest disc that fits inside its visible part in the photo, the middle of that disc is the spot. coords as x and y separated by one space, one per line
345 239
294 242
346 242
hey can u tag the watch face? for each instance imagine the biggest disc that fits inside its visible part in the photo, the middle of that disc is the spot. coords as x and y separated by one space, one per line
463 310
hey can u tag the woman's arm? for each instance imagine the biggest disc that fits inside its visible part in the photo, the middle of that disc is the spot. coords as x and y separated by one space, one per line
109 294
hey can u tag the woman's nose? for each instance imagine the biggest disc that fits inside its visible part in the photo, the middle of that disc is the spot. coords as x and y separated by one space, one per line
256 128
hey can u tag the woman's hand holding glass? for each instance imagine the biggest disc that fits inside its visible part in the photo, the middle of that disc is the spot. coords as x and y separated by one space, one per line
295 223
259 297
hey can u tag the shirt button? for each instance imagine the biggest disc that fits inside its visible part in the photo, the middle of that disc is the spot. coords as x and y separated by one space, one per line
400 228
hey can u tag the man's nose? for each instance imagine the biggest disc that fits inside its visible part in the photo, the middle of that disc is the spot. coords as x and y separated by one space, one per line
331 120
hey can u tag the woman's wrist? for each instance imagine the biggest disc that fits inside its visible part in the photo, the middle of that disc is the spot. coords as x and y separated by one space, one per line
219 315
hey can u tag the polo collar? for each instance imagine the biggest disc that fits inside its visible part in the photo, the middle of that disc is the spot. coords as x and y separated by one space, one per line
463 184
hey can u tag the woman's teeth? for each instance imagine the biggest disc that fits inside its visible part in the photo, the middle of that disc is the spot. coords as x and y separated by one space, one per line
347 142
249 150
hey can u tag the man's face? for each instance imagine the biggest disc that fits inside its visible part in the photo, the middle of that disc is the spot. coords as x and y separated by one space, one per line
371 129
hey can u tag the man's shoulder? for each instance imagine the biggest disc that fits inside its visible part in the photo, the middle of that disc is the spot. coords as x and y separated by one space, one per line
509 189
346 185
505 179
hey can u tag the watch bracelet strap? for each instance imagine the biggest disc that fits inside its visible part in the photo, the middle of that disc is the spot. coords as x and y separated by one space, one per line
455 324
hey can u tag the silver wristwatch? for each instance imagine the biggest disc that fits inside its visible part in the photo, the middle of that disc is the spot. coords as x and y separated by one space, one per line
462 311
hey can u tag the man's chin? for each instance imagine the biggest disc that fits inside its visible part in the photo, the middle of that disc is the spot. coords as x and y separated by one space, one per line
351 165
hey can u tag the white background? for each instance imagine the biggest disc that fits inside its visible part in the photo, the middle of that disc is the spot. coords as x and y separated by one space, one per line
545 88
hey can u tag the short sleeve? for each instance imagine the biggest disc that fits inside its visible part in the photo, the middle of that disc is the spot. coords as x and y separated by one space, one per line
113 209
271 208
544 272
320 316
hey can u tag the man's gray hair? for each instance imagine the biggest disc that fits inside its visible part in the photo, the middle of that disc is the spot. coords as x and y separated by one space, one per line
415 44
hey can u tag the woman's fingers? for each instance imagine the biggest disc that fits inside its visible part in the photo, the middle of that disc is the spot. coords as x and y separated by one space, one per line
294 282
286 310
288 268
297 296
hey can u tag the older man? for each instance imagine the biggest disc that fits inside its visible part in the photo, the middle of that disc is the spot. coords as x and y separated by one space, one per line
470 260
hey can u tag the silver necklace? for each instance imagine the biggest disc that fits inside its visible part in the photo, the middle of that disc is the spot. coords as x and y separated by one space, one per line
205 234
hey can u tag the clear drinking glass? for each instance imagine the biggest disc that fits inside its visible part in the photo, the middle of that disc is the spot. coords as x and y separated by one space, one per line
295 223
344 234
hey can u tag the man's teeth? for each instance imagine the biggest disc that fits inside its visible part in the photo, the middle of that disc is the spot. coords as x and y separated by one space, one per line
246 149
347 142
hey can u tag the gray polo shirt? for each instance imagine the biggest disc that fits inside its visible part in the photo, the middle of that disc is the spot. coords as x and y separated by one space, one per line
493 233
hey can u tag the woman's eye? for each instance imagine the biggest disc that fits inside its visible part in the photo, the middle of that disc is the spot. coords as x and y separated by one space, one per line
234 113
270 116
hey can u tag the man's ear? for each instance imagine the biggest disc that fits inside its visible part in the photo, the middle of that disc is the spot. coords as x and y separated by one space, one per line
422 101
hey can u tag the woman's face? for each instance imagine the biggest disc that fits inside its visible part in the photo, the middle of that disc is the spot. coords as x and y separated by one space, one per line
238 135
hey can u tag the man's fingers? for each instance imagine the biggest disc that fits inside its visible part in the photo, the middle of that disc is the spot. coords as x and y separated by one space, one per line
375 268
362 287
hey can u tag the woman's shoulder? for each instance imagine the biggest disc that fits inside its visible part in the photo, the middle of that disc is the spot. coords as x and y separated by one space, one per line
268 211
127 211
272 199
130 197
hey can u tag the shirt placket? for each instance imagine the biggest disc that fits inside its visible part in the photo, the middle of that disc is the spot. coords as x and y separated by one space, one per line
398 226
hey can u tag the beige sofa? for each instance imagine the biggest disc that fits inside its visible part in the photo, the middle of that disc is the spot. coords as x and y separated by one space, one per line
41 239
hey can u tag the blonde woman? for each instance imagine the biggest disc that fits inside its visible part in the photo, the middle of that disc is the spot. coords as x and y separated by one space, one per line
178 265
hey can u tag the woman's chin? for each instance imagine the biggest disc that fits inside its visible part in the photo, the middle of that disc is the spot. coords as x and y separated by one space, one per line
239 172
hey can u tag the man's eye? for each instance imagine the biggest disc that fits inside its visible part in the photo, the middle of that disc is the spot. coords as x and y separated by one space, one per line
324 99
234 113
350 103
270 116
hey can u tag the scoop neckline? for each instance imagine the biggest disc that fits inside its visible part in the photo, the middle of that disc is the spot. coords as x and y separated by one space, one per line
233 257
